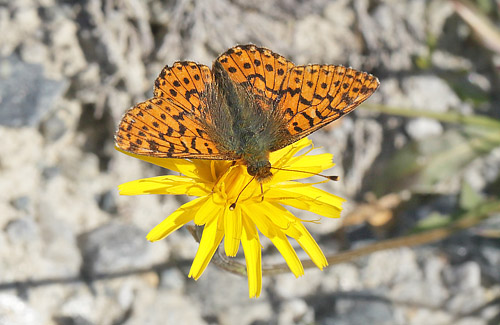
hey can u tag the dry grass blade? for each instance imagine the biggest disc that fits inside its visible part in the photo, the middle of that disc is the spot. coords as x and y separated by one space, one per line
487 32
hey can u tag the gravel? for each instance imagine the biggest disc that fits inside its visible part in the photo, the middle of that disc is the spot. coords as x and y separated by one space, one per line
74 252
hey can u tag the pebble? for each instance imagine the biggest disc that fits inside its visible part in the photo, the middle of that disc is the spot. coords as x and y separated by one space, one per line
114 247
24 87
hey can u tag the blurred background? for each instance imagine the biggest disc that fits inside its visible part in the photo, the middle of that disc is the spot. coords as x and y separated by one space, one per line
419 163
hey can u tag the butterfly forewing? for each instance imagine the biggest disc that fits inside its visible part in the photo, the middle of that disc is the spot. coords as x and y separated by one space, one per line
184 84
315 95
261 69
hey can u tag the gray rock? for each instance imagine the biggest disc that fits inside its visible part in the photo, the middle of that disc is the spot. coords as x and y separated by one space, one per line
107 202
399 265
464 277
26 95
112 51
21 203
72 320
466 302
53 128
421 128
22 230
295 311
166 307
490 258
114 247
430 93
288 287
50 172
464 283
341 277
419 293
224 296
360 313
14 311
172 279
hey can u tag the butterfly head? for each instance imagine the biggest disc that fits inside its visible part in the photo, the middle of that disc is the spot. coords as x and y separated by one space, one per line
261 170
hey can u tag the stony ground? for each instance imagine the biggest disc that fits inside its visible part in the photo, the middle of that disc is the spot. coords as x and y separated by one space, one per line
69 70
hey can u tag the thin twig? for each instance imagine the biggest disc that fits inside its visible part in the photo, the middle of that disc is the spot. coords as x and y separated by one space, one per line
467 220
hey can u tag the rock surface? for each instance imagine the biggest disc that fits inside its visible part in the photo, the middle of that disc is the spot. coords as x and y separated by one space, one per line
73 251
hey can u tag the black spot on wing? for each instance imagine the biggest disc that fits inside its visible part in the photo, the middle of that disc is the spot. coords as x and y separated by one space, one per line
304 101
153 145
182 129
298 129
308 118
193 145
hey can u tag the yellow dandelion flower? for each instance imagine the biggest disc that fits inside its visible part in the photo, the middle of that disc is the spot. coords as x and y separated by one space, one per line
219 184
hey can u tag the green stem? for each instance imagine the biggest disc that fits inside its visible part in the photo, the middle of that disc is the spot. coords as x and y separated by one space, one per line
448 117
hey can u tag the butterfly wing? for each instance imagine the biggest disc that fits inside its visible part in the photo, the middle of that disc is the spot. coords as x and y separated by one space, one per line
169 125
314 95
259 69
183 84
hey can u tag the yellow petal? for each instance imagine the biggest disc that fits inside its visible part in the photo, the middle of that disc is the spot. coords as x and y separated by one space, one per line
251 245
264 215
309 245
266 226
301 167
232 229
279 216
165 185
210 240
289 151
207 211
288 253
178 218
182 166
270 219
306 197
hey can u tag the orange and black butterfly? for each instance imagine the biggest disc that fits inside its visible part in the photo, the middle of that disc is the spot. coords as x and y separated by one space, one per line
253 102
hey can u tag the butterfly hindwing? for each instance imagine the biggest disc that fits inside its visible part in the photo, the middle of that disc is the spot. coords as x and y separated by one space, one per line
315 95
262 70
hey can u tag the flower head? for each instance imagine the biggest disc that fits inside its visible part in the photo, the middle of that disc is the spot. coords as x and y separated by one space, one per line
232 205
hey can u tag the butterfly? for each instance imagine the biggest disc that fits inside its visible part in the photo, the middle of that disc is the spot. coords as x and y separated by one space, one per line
251 103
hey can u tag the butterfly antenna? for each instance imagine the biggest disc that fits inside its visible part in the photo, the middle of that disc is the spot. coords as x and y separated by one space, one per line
331 178
233 205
